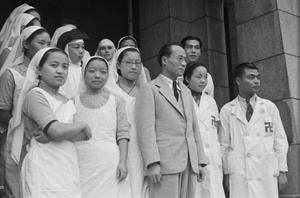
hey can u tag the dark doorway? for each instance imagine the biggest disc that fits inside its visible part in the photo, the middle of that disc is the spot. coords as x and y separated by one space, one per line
99 19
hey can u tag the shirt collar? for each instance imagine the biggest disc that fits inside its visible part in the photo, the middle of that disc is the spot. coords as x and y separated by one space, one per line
170 82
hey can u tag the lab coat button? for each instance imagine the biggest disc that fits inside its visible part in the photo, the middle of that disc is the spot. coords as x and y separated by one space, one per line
258 134
207 146
248 155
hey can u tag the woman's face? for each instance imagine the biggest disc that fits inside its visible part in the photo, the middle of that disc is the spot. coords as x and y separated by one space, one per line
76 52
127 43
96 74
130 66
40 41
54 71
198 80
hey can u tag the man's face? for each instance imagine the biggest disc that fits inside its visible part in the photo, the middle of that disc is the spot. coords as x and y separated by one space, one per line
249 82
174 65
192 50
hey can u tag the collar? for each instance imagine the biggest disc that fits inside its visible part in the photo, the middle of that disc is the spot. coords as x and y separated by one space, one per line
170 82
26 61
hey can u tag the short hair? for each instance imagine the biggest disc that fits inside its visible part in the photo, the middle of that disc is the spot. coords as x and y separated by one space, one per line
187 38
240 69
166 50
190 68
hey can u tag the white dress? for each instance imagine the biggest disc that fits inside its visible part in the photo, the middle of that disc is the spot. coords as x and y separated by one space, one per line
139 186
208 117
51 170
99 156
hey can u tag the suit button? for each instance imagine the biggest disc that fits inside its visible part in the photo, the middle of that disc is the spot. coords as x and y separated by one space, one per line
248 155
258 179
207 146
259 156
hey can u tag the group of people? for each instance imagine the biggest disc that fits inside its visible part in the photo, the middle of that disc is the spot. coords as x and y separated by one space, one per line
76 125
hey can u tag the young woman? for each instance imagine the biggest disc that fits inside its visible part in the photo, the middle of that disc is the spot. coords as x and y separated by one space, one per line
129 41
102 159
106 48
50 169
72 42
12 74
24 8
195 77
131 77
15 29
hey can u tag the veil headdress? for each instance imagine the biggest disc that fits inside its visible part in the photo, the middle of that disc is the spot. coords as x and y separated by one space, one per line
16 55
114 71
18 10
15 28
127 38
16 126
58 32
107 42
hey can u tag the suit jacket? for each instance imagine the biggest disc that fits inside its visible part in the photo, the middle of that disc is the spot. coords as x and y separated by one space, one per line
167 133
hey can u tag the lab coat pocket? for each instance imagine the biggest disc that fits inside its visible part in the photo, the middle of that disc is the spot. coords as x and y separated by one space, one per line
231 162
268 124
274 164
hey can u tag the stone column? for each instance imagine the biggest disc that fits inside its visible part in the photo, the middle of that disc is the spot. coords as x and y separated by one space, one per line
165 21
268 35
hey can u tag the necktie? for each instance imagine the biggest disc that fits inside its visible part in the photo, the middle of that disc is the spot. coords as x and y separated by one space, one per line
175 90
249 110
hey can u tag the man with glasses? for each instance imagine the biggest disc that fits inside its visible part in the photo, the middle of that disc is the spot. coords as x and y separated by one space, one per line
192 46
168 132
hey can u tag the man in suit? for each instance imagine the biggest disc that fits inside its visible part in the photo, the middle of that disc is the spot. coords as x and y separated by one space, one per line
192 46
167 129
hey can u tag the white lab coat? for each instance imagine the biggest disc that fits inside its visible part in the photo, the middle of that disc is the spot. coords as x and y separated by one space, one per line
253 153
209 88
208 120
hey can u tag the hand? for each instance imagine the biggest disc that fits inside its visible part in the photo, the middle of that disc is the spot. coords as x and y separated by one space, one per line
41 137
154 173
226 182
282 181
201 175
122 171
88 132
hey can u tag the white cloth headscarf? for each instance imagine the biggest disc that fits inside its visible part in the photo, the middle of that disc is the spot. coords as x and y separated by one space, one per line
17 121
113 67
16 55
14 31
18 10
58 32
127 38
106 42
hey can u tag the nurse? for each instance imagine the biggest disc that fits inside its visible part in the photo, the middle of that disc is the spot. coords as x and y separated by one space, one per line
196 77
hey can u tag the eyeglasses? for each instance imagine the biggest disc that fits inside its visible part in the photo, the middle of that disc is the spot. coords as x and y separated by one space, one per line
130 63
180 58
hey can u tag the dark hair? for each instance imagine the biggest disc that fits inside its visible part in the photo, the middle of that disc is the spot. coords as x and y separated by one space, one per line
189 70
48 53
35 33
125 38
187 38
121 56
33 9
240 69
68 36
96 58
31 23
166 50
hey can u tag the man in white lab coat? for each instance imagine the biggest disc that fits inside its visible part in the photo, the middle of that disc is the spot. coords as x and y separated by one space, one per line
254 144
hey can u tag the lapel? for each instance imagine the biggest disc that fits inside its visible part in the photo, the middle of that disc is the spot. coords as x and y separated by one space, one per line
165 90
237 111
202 109
186 97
